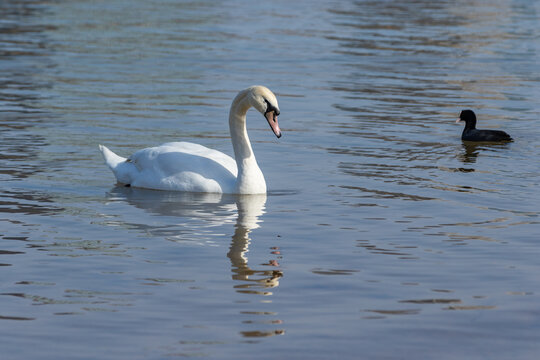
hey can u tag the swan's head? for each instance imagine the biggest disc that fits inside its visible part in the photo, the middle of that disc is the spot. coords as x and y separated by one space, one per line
266 103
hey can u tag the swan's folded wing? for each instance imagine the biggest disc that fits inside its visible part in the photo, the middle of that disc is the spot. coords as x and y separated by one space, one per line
185 167
175 157
202 151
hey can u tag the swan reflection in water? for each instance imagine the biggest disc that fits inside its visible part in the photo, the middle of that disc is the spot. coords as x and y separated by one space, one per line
216 210
250 208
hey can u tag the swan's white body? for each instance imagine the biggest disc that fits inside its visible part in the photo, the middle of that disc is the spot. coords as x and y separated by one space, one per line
183 166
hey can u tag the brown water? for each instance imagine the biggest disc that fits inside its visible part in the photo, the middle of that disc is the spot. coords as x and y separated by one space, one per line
383 236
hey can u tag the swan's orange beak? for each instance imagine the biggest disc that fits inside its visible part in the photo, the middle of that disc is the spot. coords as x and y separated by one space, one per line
271 117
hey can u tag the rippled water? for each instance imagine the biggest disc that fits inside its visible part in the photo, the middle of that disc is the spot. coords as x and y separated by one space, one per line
383 236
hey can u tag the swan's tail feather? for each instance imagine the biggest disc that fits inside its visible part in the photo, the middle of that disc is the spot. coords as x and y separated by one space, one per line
122 169
111 159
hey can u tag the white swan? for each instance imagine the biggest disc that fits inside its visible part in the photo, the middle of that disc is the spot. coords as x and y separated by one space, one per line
183 166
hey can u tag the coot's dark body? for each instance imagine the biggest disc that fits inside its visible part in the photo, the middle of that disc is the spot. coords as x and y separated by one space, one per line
471 133
484 135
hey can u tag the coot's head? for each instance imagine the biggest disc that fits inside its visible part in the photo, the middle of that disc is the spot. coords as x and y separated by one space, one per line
469 117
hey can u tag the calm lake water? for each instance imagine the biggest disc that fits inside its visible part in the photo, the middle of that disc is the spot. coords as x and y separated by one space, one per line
383 236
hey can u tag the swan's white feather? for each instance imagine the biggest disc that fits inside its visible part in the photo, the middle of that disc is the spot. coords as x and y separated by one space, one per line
177 166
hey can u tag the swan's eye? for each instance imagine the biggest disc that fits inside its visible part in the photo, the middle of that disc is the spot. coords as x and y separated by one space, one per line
270 107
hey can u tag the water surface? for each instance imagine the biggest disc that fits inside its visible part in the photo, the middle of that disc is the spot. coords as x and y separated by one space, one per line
383 236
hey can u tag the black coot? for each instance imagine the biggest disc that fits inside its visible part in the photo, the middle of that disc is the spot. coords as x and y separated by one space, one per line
471 133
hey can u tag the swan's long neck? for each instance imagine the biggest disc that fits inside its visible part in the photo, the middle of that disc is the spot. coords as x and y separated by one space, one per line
250 179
